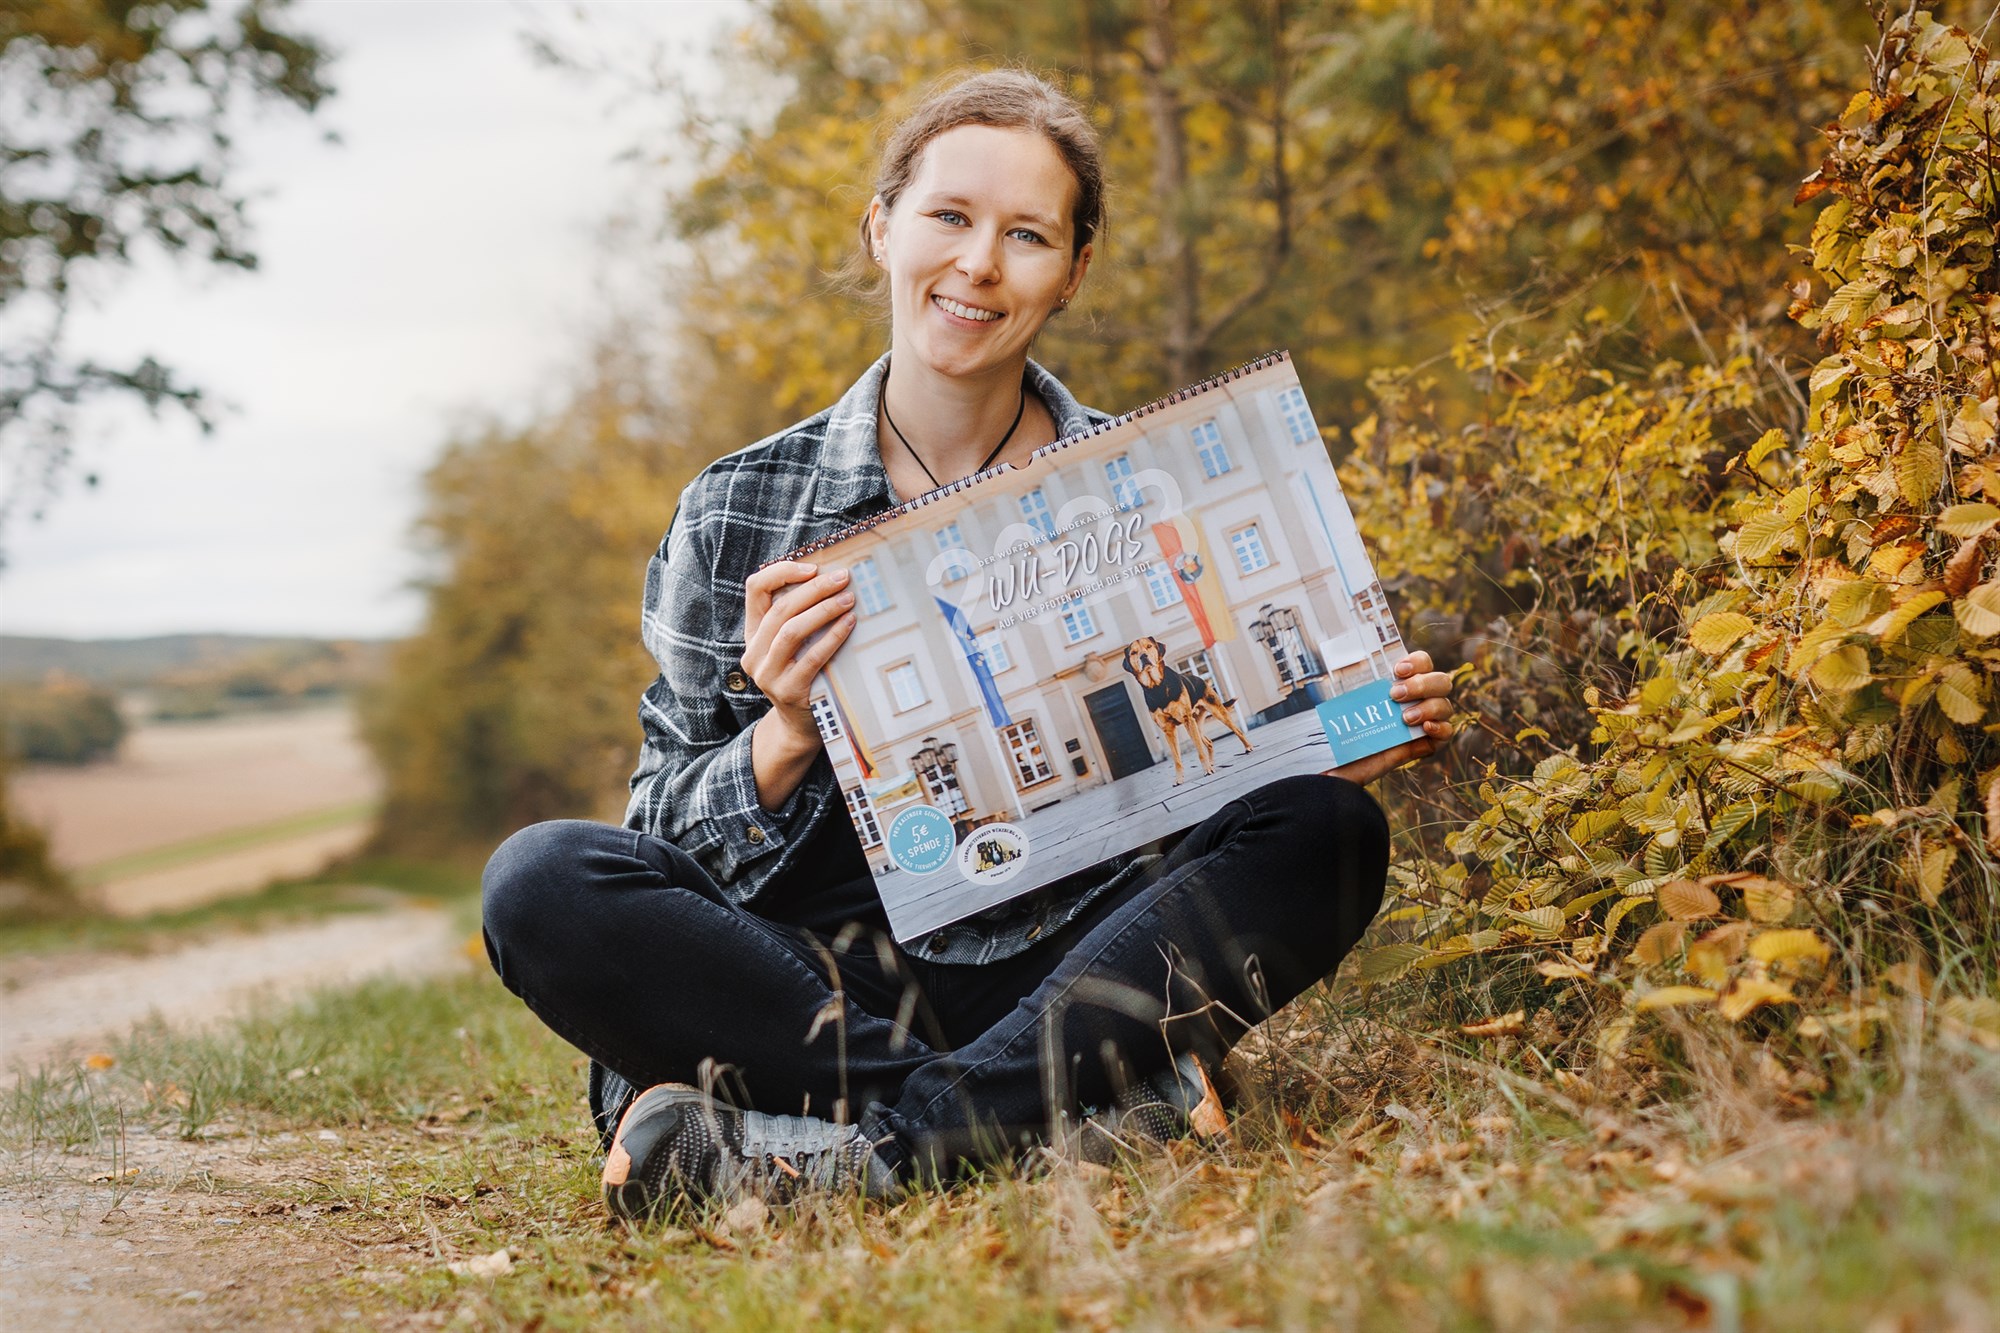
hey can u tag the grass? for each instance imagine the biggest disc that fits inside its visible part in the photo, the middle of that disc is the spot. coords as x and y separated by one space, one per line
365 884
228 840
1384 1183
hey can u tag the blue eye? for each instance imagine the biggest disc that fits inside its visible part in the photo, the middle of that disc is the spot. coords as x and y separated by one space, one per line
1033 237
950 217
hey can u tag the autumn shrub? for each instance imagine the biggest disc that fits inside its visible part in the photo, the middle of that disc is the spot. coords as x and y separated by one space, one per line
1789 810
515 701
61 721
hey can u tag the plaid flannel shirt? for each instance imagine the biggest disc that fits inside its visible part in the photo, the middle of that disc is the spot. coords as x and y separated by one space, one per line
694 785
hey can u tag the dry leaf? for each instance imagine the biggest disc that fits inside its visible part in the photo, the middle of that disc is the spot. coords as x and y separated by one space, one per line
1686 900
1749 995
1909 977
1669 997
747 1215
99 1060
1961 572
496 1264
1768 900
1993 813
1660 943
1506 1025
1784 946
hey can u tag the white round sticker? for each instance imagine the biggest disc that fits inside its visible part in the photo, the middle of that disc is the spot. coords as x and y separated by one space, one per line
993 853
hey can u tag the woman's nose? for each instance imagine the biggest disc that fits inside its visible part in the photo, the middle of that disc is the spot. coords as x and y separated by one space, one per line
979 257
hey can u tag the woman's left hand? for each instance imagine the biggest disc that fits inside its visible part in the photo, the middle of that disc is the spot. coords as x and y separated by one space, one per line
1426 698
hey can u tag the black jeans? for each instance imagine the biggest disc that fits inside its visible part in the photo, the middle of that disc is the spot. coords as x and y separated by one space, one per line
627 949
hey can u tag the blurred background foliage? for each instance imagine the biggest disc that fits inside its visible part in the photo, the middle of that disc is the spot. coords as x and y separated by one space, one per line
1545 276
1366 183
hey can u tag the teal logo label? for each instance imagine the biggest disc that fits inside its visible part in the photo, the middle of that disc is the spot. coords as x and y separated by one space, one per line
1364 722
920 840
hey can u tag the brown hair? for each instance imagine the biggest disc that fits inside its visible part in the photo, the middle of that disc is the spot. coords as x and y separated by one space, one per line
1008 99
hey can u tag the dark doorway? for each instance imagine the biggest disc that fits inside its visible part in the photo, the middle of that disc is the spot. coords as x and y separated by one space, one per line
1118 731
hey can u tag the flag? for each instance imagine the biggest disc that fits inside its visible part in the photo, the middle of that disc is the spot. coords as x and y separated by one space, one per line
861 755
1201 587
975 657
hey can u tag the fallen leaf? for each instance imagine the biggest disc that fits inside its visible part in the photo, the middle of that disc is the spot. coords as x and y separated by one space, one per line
495 1264
1780 946
1687 900
1749 995
1506 1025
99 1060
1659 943
747 1216
1670 997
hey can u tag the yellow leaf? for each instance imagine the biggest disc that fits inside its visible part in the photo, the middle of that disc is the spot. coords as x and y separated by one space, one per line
1769 900
1669 997
1909 977
1506 1025
1919 469
1749 995
1890 626
1932 867
1969 520
1593 824
1527 733
1388 962
99 1060
1767 444
1543 920
1716 634
1686 900
1958 694
1979 612
1977 1019
1782 946
1564 971
1659 943
1842 670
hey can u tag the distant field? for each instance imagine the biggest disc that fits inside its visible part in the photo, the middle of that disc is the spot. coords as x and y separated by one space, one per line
184 796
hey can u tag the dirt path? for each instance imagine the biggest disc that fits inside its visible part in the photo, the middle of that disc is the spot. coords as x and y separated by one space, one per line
81 1250
49 1006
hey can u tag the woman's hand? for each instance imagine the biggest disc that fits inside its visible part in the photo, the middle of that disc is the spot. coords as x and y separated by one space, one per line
784 606
1426 698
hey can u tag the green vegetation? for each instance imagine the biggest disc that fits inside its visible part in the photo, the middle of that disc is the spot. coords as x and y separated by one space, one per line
1390 1181
363 885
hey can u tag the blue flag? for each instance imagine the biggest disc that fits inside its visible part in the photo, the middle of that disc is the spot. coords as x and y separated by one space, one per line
975 657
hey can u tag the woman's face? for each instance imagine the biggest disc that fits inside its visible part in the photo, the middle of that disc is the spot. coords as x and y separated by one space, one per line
978 248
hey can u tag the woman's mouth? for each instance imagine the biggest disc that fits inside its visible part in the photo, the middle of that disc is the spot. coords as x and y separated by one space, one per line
964 311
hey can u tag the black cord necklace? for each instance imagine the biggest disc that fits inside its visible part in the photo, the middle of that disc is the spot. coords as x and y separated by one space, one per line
1019 412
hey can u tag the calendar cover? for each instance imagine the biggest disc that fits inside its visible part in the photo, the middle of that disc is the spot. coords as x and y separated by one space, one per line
1062 661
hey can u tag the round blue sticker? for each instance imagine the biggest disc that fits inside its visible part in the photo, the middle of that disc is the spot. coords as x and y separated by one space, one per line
920 840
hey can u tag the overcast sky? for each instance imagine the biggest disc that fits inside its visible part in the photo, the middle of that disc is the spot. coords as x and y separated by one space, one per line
441 262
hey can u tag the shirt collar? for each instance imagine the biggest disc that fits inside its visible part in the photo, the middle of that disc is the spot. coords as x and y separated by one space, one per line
850 463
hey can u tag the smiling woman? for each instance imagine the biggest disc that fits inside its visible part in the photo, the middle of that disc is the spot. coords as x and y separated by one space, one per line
732 924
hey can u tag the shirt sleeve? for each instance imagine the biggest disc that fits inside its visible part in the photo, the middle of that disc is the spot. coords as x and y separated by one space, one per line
694 785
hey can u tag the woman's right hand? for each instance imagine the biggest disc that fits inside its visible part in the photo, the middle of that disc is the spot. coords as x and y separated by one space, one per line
784 606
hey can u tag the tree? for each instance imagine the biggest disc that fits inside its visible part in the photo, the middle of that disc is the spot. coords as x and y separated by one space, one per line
117 141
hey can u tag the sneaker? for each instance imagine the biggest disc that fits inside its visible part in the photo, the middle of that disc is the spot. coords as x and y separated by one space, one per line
1178 1102
676 1141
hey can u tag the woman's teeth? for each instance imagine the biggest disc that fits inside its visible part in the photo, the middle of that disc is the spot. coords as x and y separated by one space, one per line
965 311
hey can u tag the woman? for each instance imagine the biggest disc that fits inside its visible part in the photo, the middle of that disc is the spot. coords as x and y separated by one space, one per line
730 936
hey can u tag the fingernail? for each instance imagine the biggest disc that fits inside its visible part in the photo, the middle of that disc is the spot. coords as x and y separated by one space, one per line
1409 717
846 599
840 576
1398 691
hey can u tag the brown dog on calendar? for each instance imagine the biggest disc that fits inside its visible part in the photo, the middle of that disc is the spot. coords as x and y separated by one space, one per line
1179 700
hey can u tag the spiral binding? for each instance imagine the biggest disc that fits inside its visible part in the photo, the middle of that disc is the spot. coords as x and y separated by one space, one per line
915 503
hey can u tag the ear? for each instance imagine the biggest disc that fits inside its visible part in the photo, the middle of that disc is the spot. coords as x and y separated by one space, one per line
875 223
1076 272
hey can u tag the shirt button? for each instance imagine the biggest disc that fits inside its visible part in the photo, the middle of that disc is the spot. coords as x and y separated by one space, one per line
737 681
755 834
939 942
